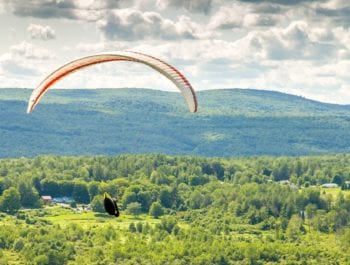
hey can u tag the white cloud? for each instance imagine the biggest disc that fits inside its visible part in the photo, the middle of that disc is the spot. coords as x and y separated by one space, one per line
43 8
90 10
130 24
202 6
335 4
41 32
30 51
101 46
2 8
321 35
343 36
228 17
13 65
297 41
240 16
97 4
22 62
262 20
337 11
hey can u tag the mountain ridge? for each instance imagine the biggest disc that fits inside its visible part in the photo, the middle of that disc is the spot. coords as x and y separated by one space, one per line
229 122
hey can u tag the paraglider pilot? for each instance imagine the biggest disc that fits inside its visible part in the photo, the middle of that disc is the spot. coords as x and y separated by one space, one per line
110 204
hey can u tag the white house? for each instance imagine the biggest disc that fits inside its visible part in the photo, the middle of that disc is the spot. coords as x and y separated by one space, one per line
329 185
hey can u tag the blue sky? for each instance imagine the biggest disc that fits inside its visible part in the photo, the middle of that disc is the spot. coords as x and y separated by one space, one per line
300 47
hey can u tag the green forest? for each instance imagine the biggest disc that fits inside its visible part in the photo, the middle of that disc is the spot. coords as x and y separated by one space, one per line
229 122
176 210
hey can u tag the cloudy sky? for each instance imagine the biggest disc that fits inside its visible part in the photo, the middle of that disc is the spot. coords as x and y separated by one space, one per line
300 47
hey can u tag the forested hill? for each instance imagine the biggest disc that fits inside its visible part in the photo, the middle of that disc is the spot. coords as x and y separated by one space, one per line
231 122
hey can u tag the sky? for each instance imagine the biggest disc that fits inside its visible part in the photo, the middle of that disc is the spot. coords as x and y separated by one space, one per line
300 47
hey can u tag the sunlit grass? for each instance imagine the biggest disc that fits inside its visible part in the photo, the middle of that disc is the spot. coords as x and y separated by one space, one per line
334 191
11 257
66 216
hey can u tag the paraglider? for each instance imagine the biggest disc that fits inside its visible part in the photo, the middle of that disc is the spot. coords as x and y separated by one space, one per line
110 205
162 67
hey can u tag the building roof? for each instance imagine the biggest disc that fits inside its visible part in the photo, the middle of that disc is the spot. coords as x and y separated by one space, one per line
64 199
329 185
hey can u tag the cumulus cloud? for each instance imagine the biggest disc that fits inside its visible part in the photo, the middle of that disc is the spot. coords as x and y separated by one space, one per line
297 41
2 7
41 32
98 4
70 9
267 8
13 65
227 17
129 24
102 46
335 4
26 50
22 63
339 14
202 6
281 2
260 20
343 36
238 16
90 10
74 9
43 8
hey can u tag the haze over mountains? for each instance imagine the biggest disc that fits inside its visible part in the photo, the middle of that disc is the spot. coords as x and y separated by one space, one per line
231 122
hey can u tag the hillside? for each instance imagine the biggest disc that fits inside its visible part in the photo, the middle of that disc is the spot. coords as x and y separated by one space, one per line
232 122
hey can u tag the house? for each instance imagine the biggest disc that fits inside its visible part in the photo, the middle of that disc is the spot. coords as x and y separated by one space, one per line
284 182
346 185
46 199
64 199
329 185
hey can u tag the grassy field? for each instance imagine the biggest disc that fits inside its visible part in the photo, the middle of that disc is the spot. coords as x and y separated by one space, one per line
64 216
334 191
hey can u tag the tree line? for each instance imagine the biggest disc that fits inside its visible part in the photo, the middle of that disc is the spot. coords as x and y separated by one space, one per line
161 184
210 210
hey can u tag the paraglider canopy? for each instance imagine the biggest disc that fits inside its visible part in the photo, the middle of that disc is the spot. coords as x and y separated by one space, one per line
162 67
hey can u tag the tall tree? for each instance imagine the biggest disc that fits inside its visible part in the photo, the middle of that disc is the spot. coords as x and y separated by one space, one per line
80 192
97 204
294 228
29 195
156 210
10 201
134 208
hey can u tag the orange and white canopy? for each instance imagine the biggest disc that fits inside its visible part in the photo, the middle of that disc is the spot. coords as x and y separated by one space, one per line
162 67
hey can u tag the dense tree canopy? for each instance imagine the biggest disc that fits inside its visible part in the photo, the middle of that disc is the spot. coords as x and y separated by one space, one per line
180 210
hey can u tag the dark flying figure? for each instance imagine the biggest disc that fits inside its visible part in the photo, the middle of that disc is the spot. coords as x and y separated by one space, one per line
110 204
